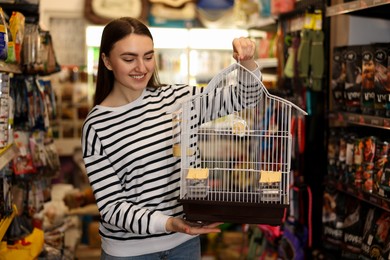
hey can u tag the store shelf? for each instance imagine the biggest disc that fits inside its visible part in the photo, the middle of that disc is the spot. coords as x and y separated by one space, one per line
7 154
29 10
269 77
354 6
10 68
373 199
360 119
267 63
268 24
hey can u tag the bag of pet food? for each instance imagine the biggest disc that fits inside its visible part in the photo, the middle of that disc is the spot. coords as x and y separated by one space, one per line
353 228
353 79
333 215
375 234
338 77
382 80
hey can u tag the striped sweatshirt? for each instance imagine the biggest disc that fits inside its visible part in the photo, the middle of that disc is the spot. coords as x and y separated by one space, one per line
135 178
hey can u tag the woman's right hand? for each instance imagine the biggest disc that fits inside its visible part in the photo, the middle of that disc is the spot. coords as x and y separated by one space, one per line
244 51
191 228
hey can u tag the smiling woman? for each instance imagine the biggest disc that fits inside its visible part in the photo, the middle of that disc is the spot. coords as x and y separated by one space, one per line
128 147
128 54
132 62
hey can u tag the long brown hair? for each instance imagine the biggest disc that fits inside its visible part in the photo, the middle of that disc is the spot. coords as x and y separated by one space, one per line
113 32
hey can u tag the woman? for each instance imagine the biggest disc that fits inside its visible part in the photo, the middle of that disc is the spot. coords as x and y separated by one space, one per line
127 149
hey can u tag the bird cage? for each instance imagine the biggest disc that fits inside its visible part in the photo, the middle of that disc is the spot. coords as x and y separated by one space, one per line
234 140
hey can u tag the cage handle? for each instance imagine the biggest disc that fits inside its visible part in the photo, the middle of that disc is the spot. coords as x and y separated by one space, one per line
215 80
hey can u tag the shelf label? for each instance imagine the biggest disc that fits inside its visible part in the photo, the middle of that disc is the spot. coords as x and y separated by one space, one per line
350 190
352 118
334 10
365 3
385 204
386 122
380 2
352 6
361 119
375 200
376 122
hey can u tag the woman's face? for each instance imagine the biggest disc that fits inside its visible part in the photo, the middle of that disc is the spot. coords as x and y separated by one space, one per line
132 62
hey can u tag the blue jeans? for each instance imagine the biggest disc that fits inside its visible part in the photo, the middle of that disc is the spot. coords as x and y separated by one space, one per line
189 250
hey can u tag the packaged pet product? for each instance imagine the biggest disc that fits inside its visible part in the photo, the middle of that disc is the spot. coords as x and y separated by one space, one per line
215 14
388 82
333 151
16 26
338 77
386 249
380 161
353 228
168 13
341 162
368 163
4 109
358 163
375 234
23 163
382 78
368 75
333 215
3 37
353 79
282 6
384 186
348 176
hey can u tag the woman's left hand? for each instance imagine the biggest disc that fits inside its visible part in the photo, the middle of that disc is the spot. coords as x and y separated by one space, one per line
191 228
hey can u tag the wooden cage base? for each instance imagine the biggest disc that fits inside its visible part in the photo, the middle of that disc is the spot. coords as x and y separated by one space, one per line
234 212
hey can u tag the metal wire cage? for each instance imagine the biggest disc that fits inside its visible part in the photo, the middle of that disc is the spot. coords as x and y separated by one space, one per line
235 142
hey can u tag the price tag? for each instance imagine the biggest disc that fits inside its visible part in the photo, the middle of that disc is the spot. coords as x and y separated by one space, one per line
353 6
374 200
386 123
352 118
380 2
376 122
330 11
